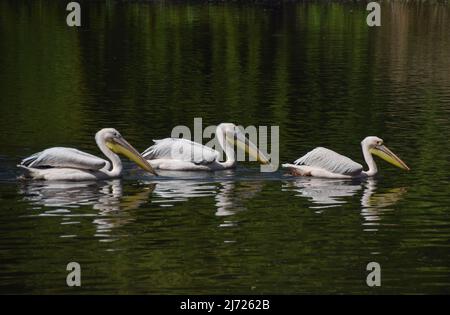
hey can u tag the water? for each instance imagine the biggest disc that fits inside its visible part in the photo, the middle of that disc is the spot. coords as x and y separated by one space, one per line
315 70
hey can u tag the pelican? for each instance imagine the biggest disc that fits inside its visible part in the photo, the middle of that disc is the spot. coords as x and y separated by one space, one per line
322 162
178 154
70 164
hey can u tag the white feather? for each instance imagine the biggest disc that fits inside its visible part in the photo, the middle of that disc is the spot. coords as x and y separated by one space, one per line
181 150
330 161
59 157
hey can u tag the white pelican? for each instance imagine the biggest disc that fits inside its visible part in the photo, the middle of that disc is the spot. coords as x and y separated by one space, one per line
60 163
178 154
322 162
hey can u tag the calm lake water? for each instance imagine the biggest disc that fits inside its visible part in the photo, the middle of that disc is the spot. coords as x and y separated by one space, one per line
315 70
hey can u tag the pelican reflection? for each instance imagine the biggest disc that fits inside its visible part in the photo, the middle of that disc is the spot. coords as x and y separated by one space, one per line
230 196
374 205
324 193
233 196
75 200
169 192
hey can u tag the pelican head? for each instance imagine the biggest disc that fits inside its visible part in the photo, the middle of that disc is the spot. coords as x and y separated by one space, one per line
376 147
117 144
233 134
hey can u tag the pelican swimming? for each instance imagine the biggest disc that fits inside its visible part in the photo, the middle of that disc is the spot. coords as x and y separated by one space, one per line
322 162
70 164
184 155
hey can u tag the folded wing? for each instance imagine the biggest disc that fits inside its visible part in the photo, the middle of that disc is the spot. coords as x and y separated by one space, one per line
331 161
59 157
182 150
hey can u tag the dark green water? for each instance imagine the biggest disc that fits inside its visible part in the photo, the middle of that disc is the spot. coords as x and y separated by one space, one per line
316 71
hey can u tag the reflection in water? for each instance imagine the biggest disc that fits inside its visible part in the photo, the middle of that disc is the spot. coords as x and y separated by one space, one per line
112 207
63 198
229 195
232 196
169 192
373 205
325 193
68 199
71 194
322 192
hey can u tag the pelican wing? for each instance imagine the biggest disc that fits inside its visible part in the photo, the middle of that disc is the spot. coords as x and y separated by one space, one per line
330 161
64 157
181 149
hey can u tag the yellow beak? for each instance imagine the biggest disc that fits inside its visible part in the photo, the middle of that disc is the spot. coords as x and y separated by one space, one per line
245 144
387 155
121 146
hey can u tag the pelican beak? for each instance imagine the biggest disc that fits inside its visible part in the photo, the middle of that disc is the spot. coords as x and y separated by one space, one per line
245 144
387 155
121 146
